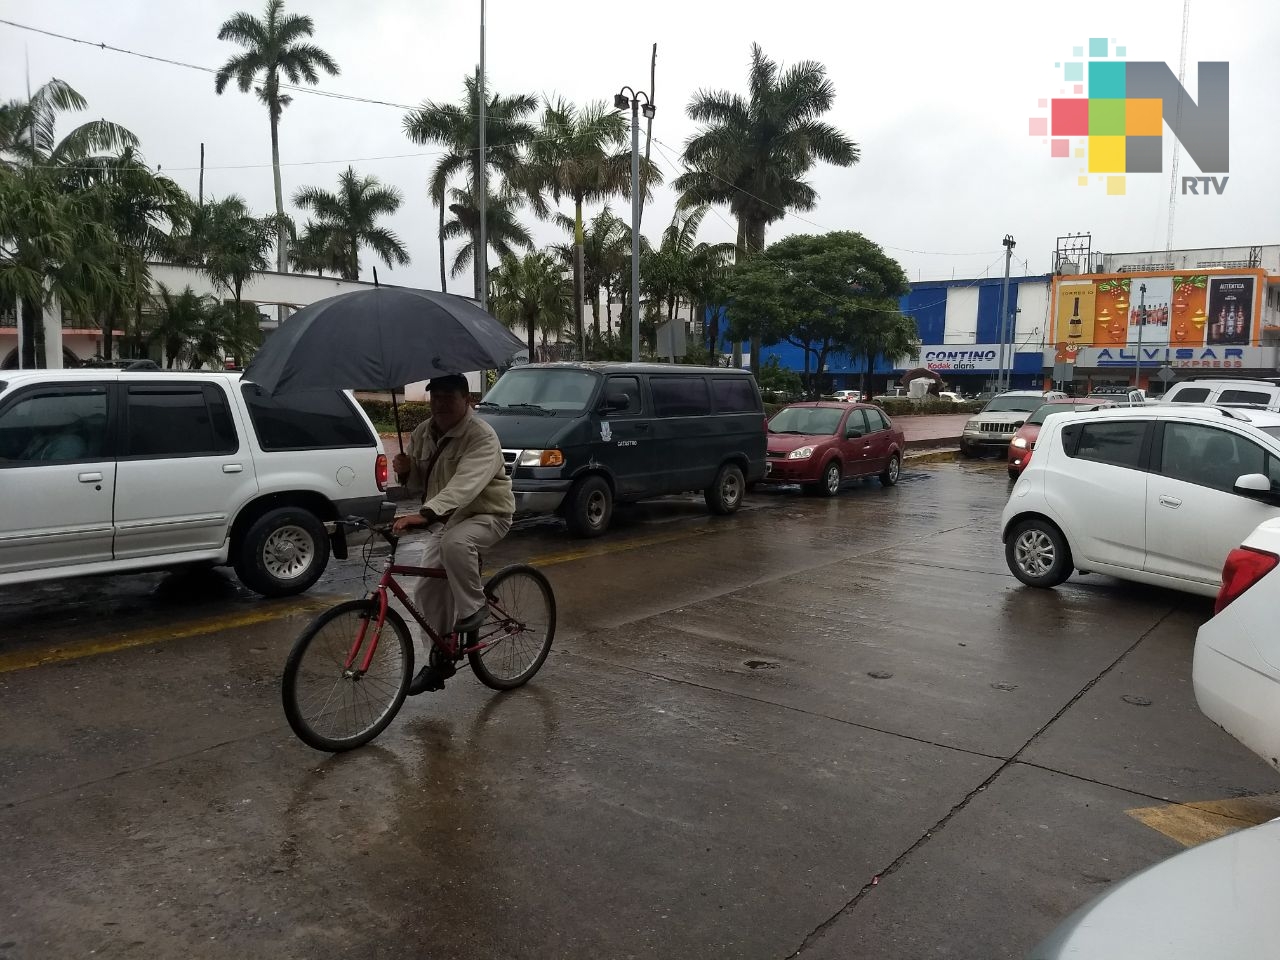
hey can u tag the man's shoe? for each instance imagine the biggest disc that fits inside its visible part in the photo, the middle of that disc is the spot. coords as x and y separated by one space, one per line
431 677
472 623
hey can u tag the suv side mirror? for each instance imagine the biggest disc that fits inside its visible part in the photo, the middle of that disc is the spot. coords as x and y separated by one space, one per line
1257 486
615 403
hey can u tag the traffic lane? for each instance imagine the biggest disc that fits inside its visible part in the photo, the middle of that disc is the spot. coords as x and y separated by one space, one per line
1016 859
591 814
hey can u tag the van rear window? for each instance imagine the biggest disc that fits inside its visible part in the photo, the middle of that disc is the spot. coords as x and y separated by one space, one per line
680 396
323 419
1190 395
734 395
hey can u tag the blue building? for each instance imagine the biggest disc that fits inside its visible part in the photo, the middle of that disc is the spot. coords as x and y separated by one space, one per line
958 322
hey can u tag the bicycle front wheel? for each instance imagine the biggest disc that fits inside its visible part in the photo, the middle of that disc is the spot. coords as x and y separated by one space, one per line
331 707
517 636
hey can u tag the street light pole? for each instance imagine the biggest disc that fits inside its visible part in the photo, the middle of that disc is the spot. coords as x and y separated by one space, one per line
482 185
1006 334
621 100
1142 322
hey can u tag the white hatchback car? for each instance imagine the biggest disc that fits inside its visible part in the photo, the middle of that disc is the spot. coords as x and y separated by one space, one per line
1236 671
1157 494
109 471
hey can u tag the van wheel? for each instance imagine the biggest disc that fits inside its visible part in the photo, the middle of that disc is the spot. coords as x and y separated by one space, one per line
283 553
1038 554
590 507
724 496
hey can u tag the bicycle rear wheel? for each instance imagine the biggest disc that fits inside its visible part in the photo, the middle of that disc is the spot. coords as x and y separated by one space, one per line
518 633
332 708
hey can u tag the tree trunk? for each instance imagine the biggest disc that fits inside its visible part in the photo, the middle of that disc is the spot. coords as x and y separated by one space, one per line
757 239
107 324
529 327
808 381
608 307
444 287
595 314
578 278
740 256
282 250
32 322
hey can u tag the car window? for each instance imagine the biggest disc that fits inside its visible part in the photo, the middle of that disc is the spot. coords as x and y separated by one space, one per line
1013 404
54 425
557 390
876 421
680 396
1245 396
857 422
1208 456
818 421
177 420
734 395
323 419
624 388
1190 395
1119 444
1042 413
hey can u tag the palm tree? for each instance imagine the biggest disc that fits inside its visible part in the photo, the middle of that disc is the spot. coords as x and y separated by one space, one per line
177 320
273 46
681 268
884 333
579 155
457 128
503 229
315 251
531 292
348 220
752 153
28 130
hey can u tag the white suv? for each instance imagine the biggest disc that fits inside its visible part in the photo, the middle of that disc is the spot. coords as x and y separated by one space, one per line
106 471
1157 494
1240 392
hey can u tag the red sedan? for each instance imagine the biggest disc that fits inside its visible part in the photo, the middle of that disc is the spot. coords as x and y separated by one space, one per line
821 445
1024 441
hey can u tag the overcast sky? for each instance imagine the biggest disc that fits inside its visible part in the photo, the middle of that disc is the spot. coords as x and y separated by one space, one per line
936 94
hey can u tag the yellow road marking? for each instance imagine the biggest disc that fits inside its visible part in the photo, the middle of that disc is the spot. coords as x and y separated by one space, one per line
1194 823
26 659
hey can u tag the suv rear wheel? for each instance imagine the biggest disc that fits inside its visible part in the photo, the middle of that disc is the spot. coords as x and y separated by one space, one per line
589 507
724 496
284 552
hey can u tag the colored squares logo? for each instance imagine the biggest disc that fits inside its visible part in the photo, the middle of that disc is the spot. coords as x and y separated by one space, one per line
1106 118
1070 118
1106 155
1143 118
1106 81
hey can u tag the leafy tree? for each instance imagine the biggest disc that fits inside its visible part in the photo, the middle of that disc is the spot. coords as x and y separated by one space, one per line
530 292
829 294
503 230
348 220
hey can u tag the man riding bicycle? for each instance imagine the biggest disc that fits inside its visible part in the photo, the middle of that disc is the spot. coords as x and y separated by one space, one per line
454 464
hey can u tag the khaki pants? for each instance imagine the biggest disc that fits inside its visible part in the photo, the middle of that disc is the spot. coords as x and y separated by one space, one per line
456 547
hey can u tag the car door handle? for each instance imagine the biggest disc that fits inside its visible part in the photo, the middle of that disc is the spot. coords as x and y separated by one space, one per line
90 478
232 468
1171 502
642 427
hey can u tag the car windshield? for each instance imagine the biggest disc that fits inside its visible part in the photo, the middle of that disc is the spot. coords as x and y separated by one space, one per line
1012 405
1042 413
552 391
813 420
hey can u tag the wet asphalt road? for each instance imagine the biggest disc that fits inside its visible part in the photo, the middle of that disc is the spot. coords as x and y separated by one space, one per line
825 728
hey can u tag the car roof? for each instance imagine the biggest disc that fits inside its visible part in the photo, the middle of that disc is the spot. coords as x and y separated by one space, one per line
16 377
1188 411
609 366
831 405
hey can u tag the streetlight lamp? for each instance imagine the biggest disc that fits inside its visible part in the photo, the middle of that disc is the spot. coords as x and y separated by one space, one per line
626 97
1142 322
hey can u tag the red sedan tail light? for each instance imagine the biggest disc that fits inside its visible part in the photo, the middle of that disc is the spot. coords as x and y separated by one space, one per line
380 472
1245 566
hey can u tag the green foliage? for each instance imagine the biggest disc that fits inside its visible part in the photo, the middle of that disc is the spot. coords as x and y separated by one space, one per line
412 413
903 407
775 379
348 220
531 293
832 293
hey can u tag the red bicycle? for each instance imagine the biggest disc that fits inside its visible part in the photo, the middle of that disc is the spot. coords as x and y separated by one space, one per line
345 679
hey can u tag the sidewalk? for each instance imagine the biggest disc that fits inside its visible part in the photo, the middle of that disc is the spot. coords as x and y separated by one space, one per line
933 431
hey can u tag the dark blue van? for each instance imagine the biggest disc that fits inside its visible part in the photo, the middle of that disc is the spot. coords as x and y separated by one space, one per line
580 437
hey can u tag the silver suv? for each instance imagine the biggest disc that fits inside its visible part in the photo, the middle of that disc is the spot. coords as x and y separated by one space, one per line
108 471
994 427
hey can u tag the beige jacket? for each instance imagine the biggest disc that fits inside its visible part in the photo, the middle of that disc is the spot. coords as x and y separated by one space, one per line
468 478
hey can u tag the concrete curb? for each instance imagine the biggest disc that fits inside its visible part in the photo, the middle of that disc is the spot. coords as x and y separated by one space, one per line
945 455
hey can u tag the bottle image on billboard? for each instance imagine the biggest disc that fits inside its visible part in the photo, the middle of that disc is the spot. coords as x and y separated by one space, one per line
1231 310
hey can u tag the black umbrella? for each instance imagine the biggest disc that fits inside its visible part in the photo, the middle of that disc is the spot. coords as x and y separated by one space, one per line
380 339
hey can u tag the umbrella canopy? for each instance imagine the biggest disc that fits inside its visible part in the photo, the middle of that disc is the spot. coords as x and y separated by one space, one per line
380 339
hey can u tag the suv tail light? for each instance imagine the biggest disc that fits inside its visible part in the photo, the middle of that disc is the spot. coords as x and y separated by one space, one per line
1245 566
380 472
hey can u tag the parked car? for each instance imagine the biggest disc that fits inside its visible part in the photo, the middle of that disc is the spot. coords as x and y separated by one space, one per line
1155 494
1213 900
822 445
995 425
1120 396
847 396
1024 441
1236 668
950 397
1226 391
581 437
124 470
